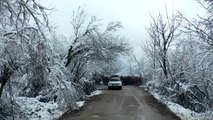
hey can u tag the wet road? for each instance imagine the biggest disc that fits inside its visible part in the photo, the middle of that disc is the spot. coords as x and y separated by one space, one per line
131 103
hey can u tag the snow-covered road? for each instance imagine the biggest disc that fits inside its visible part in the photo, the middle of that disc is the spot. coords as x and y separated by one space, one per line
131 103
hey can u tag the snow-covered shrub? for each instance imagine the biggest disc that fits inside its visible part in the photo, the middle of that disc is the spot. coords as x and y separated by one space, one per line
190 84
88 86
5 109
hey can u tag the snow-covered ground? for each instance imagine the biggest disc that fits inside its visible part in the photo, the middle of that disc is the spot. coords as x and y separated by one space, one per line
80 104
183 113
33 109
94 93
97 92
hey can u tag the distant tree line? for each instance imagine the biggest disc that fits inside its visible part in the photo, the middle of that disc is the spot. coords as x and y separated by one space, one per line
126 80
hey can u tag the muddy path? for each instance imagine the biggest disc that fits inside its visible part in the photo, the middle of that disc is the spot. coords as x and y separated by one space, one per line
131 103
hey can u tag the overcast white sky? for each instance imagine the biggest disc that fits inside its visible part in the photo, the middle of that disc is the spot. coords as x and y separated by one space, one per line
134 14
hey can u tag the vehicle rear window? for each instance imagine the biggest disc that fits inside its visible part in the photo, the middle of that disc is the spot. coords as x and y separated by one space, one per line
114 80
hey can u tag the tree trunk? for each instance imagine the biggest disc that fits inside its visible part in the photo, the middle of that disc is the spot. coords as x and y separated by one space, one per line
7 72
164 58
165 68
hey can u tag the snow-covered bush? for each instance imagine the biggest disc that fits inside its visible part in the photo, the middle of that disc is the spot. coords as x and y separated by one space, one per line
191 71
88 86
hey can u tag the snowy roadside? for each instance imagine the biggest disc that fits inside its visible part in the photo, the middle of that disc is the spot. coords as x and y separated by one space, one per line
183 113
33 109
94 93
97 92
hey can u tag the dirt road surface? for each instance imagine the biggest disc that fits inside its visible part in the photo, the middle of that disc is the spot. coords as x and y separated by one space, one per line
131 103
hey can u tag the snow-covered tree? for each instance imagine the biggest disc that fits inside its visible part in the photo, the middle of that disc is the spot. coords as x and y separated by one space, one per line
16 16
189 62
162 33
92 44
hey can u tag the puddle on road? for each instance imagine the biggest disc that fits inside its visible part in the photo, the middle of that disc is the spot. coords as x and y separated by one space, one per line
95 116
98 115
132 105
